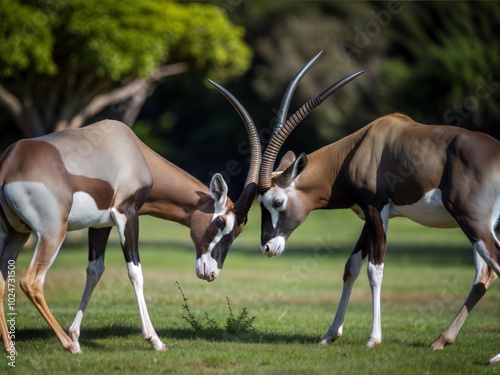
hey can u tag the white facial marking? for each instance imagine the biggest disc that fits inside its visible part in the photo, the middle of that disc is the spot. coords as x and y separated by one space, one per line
270 197
274 247
207 268
230 222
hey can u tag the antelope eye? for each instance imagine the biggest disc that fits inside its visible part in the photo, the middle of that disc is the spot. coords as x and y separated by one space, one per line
277 203
220 222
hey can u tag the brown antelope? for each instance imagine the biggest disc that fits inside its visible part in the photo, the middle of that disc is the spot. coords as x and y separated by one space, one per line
438 176
97 177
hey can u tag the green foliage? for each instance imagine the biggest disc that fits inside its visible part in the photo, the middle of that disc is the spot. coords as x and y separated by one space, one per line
154 135
440 55
190 318
118 38
235 325
63 63
26 39
242 323
204 35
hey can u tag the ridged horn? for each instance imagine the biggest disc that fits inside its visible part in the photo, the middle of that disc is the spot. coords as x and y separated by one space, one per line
244 202
284 131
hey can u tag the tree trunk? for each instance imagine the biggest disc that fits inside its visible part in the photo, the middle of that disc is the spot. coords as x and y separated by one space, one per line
24 115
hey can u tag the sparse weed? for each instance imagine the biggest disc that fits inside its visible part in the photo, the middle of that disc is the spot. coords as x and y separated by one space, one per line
235 324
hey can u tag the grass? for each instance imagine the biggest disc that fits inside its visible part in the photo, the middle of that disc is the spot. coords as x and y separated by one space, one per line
293 297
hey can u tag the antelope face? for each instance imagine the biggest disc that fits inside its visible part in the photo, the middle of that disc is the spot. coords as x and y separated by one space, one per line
282 206
213 230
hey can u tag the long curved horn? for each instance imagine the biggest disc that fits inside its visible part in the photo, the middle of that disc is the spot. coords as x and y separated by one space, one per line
244 202
287 96
281 135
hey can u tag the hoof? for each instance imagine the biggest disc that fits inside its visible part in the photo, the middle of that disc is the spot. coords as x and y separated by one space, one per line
440 344
373 343
164 348
329 338
75 349
495 359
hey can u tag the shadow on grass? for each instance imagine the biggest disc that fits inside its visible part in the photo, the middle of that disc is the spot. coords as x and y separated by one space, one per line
323 248
438 254
90 336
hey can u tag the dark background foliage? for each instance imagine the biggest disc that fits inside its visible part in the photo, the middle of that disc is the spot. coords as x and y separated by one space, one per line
434 61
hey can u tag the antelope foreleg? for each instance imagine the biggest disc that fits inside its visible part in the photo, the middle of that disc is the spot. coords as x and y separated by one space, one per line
98 239
94 272
148 332
376 222
128 227
375 276
351 273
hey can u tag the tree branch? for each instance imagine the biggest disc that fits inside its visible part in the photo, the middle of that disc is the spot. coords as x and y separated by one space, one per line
140 87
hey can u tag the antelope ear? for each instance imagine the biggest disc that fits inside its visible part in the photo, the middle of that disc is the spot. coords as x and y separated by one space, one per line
293 171
218 189
286 161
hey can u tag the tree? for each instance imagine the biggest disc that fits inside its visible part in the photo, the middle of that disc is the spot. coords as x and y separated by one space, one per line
284 35
63 62
443 64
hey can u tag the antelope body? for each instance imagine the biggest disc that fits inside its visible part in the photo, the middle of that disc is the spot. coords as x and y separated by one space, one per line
438 176
102 176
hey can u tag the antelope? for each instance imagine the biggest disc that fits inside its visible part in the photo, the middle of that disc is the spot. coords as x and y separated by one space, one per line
438 176
102 176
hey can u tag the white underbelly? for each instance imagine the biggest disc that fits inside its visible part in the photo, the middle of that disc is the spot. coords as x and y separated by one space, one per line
428 211
85 213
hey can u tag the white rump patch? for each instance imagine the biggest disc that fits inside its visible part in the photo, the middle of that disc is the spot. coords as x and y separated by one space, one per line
31 203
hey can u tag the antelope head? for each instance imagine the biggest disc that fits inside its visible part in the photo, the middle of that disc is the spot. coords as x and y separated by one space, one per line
283 206
219 221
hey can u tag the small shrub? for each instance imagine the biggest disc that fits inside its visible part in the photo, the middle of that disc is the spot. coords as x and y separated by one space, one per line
235 324
241 324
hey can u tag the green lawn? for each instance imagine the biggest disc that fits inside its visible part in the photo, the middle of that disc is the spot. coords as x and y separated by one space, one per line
293 297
